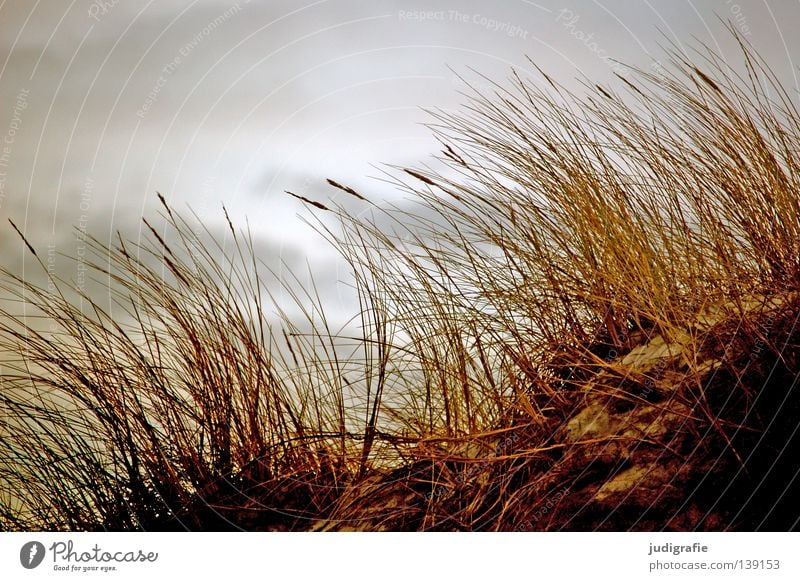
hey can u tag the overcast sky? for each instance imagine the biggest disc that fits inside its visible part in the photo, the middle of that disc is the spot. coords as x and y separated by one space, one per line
105 102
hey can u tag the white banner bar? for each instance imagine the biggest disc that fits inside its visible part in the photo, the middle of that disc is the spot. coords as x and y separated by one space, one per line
399 556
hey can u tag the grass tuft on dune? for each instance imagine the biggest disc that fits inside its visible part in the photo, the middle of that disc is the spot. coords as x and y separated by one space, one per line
586 322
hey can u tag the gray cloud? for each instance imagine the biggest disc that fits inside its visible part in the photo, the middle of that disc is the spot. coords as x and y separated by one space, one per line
216 101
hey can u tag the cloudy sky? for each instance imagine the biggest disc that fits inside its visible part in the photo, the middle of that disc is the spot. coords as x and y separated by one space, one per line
105 102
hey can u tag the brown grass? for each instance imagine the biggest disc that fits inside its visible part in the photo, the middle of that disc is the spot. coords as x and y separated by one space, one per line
567 231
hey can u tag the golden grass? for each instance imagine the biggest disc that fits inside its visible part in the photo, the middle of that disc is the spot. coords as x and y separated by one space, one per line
568 231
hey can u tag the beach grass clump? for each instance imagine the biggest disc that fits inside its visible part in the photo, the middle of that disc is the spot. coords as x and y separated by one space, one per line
171 390
583 320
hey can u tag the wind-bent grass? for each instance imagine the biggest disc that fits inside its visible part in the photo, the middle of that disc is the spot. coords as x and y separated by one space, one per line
122 424
568 231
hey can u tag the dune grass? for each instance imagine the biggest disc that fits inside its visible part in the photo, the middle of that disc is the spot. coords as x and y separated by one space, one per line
567 230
